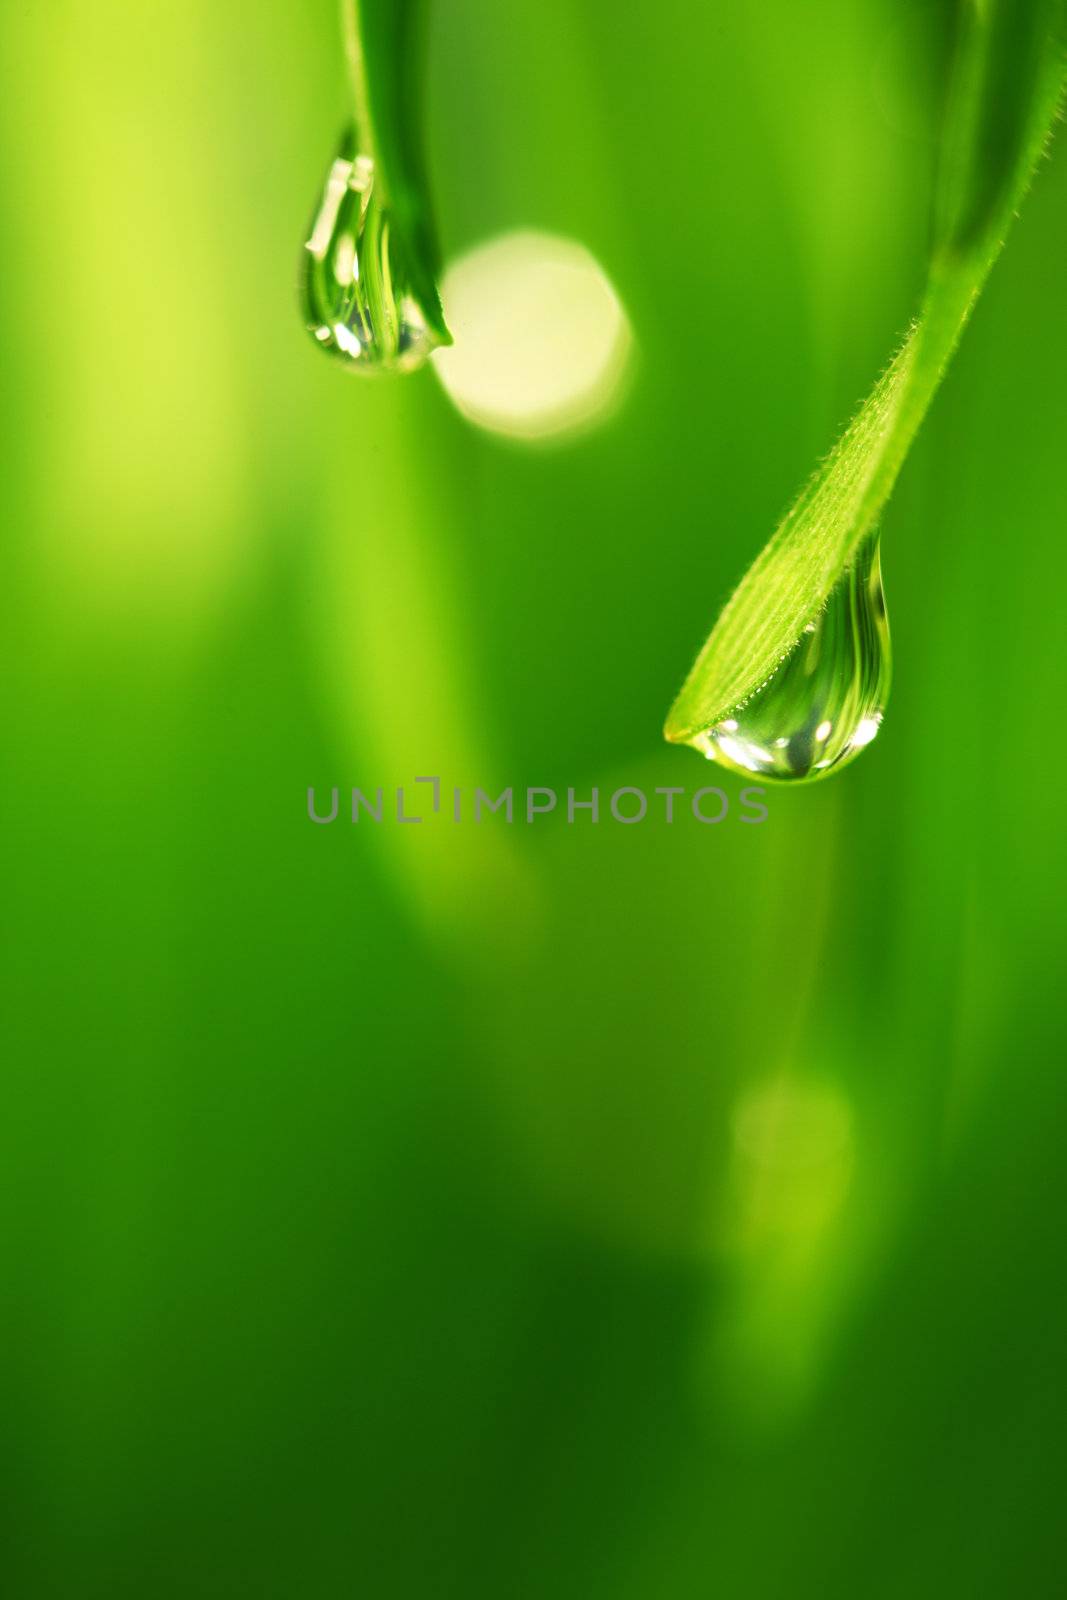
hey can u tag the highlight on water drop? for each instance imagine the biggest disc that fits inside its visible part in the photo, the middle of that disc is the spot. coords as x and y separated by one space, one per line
825 702
358 302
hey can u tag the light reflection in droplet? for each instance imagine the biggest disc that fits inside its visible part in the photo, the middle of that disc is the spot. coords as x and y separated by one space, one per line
345 340
866 731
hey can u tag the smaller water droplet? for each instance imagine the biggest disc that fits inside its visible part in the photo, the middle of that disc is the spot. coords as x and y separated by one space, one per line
357 300
824 703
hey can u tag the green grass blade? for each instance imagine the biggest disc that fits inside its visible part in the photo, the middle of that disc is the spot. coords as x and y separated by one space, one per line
1006 91
385 41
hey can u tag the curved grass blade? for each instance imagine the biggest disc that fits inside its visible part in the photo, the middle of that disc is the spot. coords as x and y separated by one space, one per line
1005 95
385 43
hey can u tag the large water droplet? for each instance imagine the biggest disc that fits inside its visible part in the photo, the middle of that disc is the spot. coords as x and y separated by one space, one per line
824 704
357 298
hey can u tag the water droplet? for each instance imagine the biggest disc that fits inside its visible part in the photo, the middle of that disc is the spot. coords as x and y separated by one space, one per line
824 703
357 299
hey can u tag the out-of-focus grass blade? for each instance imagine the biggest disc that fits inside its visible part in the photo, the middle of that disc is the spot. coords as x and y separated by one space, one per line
1006 90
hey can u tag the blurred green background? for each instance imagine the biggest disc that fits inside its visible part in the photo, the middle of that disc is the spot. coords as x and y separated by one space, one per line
592 1211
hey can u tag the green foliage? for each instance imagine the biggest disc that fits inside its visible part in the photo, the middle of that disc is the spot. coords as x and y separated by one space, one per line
1004 96
454 1212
